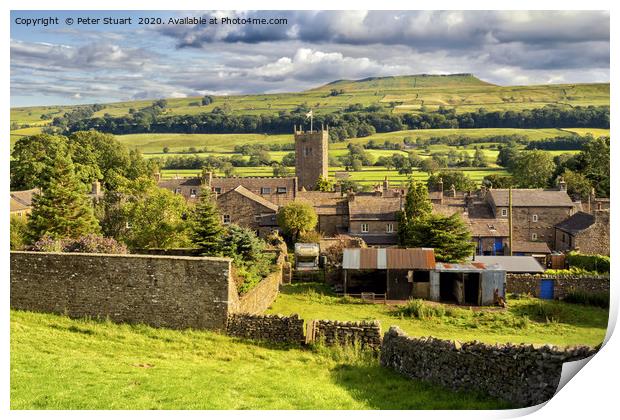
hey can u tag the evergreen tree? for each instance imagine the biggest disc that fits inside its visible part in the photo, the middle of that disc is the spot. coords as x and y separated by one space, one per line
448 236
62 209
417 205
206 224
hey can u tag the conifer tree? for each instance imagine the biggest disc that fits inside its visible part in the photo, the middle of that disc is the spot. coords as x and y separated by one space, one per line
62 209
206 225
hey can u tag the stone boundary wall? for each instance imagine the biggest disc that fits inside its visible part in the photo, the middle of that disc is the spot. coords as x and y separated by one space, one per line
344 333
523 375
563 284
276 328
261 296
161 291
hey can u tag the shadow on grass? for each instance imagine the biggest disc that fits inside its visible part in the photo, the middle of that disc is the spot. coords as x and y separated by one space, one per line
304 288
383 389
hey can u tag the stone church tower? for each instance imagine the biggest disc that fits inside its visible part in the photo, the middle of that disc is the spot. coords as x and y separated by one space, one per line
311 160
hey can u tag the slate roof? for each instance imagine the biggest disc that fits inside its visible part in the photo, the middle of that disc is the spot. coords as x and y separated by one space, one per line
373 208
488 228
531 198
22 200
325 203
576 223
254 197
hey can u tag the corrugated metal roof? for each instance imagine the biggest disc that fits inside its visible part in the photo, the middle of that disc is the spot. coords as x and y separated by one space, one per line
516 264
475 266
388 258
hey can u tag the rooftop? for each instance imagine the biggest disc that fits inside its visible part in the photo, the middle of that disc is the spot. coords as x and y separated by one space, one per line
374 208
512 264
388 258
254 197
531 198
576 223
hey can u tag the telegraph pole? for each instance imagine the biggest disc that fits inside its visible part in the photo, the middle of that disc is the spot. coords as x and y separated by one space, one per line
510 220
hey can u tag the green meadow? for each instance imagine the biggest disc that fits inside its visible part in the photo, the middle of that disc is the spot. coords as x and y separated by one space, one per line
59 363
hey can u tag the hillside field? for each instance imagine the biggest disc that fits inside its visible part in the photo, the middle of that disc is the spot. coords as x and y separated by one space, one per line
60 363
395 94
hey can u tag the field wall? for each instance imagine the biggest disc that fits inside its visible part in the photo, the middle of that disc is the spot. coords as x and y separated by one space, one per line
524 375
562 284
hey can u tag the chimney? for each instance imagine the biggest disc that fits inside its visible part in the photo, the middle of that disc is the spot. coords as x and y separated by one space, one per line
96 188
386 185
206 177
440 185
562 184
483 191
453 190
351 196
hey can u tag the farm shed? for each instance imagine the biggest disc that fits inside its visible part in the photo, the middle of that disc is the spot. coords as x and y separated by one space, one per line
516 264
392 272
471 283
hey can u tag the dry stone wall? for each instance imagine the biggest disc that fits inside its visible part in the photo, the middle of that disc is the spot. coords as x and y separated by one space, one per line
345 333
161 291
276 328
524 375
563 284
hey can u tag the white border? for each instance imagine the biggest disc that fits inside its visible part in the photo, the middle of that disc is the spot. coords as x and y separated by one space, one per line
592 394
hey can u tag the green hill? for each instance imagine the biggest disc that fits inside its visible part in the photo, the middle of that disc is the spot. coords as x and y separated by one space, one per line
416 81
398 94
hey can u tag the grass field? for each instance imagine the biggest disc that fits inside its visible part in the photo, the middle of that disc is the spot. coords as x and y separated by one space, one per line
395 94
59 363
548 322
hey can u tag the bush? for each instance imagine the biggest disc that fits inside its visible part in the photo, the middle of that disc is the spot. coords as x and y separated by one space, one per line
593 299
417 308
88 243
597 263
18 233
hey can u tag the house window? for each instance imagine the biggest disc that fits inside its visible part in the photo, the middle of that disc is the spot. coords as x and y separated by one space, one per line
257 217
307 151
389 228
534 218
177 191
534 236
504 212
226 218
281 190
563 237
265 190
364 227
217 190
19 214
193 193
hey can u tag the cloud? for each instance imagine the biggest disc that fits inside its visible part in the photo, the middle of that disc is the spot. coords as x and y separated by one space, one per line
311 49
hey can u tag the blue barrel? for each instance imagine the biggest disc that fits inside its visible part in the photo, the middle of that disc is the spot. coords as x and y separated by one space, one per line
546 289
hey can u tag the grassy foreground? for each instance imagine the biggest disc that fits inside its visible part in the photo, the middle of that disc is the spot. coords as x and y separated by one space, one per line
526 320
59 363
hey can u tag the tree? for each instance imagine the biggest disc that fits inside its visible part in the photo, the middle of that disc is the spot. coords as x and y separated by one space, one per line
448 236
280 170
324 184
33 158
417 202
289 159
532 168
480 160
205 223
62 209
295 218
429 165
498 181
459 179
595 161
506 154
18 231
577 184
228 169
241 243
156 219
356 165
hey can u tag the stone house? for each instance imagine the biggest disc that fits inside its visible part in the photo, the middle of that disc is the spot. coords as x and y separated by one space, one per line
244 208
332 209
535 212
374 218
21 203
584 232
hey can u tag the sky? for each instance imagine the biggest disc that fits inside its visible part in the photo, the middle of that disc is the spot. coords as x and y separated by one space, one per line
93 62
